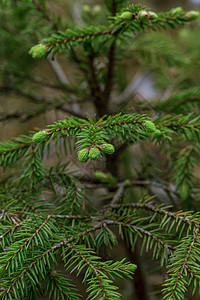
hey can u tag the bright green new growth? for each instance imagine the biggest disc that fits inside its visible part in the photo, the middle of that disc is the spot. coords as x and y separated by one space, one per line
106 178
38 51
126 16
177 10
157 132
143 15
83 155
100 175
150 126
94 153
108 148
192 15
39 137
152 15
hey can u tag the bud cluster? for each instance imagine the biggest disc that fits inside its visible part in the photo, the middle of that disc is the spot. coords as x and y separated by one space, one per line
142 15
85 154
190 15
94 152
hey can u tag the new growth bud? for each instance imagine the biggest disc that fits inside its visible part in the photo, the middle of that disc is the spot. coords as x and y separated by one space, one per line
157 133
38 51
143 15
94 153
100 175
39 137
127 182
83 155
128 16
176 10
192 15
108 148
150 126
152 15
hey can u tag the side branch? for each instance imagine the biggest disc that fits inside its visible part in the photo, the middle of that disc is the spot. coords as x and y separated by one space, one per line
161 211
55 247
92 267
143 231
26 242
184 266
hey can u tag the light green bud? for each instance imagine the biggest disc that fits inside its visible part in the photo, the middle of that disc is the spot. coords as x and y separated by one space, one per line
38 51
126 16
177 10
150 126
39 137
143 15
94 153
108 148
157 132
127 182
152 15
192 15
83 155
100 175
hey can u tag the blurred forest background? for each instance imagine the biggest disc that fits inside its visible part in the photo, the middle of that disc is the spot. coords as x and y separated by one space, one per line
27 84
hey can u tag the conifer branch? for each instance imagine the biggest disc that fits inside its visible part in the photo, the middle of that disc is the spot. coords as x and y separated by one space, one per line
143 231
31 207
18 225
95 272
183 216
26 242
177 276
55 247
120 23
70 217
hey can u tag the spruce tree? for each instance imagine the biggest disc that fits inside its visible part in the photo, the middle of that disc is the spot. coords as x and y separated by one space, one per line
124 173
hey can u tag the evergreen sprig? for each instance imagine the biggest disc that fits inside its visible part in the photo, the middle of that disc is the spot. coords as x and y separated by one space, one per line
132 19
183 270
54 218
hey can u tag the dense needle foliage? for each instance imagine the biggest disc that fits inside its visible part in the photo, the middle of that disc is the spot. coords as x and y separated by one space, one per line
118 172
